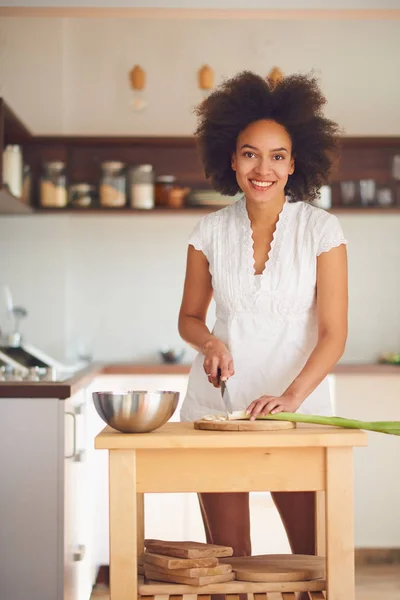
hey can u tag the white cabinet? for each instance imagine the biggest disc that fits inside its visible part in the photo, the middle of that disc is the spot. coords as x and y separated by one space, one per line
374 397
45 499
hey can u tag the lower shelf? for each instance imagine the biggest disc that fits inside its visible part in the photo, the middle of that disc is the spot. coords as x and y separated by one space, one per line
231 588
266 596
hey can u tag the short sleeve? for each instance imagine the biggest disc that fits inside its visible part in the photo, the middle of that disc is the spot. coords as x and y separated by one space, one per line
331 235
196 237
199 238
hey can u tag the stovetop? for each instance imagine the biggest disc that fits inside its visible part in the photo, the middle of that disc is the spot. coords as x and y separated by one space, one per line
32 375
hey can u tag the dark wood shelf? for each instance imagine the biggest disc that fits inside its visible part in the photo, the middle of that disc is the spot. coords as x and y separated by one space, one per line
127 211
12 131
372 210
15 132
10 205
192 210
112 141
368 157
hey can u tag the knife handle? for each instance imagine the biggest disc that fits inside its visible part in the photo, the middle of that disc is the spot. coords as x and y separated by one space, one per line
220 383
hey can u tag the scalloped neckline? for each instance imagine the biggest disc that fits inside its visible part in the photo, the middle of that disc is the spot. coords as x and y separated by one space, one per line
259 276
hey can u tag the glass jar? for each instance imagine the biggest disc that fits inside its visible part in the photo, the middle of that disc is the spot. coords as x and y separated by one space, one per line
141 186
26 195
13 169
82 195
53 185
324 200
164 186
113 184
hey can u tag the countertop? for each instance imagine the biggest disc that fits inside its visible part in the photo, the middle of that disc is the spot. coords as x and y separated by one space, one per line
183 369
50 389
81 379
182 435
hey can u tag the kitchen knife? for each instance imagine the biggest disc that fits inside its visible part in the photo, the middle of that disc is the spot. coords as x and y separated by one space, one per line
225 394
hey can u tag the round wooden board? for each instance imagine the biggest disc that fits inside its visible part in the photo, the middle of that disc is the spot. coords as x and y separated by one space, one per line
277 567
243 425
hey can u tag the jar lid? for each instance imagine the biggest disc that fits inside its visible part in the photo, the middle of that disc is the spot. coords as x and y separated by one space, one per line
55 164
81 187
143 168
112 164
166 179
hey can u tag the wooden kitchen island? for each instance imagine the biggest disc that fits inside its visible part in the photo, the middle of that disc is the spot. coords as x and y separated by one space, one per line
178 458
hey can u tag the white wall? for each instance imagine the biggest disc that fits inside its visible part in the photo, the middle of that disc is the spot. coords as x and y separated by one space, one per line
113 284
71 75
31 74
226 4
95 282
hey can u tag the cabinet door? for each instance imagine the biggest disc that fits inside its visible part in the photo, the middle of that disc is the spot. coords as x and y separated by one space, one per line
77 565
30 472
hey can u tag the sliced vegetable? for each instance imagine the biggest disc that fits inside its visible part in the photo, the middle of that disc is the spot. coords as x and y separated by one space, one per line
389 427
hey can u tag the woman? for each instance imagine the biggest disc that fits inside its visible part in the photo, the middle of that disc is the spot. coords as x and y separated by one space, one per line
277 269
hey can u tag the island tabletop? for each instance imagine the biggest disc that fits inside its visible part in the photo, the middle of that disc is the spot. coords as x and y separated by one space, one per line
183 435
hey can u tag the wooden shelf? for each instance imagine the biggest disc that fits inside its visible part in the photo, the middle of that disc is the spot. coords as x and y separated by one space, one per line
188 210
10 205
12 131
158 588
372 210
193 210
360 158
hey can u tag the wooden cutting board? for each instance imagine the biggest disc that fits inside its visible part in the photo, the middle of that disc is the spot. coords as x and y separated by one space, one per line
278 567
187 549
243 425
168 562
193 572
195 581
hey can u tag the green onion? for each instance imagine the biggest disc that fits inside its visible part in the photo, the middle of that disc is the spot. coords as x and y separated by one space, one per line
390 427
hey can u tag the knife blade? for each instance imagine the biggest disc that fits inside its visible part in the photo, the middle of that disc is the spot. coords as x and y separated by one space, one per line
225 395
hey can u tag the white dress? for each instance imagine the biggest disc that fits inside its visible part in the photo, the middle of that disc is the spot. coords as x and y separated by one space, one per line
268 322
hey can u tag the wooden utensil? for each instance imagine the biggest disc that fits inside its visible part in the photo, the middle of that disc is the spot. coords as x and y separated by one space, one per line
187 549
168 562
193 572
194 581
278 567
243 425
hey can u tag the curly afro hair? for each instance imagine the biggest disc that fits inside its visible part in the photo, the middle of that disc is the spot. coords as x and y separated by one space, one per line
295 102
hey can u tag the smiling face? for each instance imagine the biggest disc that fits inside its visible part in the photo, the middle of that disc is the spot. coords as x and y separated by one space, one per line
263 161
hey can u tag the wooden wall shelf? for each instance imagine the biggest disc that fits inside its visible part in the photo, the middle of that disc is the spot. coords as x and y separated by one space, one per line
361 158
9 205
189 210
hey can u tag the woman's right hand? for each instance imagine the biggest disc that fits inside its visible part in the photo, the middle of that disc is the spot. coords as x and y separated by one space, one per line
217 356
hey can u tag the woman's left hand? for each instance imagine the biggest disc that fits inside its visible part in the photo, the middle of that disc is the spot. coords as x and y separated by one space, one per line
273 404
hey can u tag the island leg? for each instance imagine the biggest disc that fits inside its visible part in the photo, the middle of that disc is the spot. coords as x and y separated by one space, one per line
320 530
340 524
140 523
123 525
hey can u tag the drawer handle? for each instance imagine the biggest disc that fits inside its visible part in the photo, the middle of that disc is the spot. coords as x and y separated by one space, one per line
72 415
79 456
79 554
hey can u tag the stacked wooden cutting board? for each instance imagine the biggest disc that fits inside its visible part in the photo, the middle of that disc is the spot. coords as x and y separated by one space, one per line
190 563
197 564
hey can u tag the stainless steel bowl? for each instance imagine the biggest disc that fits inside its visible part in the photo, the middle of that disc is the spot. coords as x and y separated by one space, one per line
135 411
